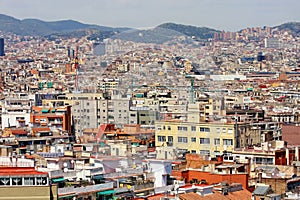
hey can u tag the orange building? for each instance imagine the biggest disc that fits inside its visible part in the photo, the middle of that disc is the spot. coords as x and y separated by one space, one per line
192 171
60 117
212 178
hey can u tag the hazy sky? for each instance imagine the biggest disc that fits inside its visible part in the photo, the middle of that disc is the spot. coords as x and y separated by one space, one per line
230 15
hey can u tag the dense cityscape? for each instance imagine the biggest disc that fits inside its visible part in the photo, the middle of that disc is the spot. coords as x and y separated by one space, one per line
149 118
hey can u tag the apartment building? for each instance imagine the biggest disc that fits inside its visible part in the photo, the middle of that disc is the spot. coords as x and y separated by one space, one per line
25 183
205 138
59 117
16 110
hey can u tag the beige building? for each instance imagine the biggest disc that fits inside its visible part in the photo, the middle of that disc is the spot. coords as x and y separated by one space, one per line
203 138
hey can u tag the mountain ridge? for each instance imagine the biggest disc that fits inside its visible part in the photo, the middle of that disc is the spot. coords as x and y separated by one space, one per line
37 27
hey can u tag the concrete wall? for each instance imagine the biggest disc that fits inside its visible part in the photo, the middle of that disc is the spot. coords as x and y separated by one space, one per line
30 193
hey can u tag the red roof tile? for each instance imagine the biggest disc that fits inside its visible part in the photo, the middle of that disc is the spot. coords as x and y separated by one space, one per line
19 132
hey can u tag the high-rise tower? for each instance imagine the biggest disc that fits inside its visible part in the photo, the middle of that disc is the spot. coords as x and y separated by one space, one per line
2 47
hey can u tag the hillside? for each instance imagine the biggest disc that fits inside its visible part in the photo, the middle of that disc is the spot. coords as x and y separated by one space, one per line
39 28
192 31
293 27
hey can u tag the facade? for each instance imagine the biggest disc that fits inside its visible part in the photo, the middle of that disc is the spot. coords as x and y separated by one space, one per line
59 117
202 138
16 110
158 170
25 183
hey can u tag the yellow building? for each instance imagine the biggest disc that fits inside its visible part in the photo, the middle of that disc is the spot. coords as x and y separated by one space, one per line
205 138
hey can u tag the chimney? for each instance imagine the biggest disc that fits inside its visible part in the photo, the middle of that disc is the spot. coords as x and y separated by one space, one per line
296 153
260 177
295 170
287 156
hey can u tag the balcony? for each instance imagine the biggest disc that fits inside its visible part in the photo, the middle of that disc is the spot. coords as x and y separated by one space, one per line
55 121
143 186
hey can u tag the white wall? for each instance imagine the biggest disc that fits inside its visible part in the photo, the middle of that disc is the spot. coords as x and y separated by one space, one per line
160 168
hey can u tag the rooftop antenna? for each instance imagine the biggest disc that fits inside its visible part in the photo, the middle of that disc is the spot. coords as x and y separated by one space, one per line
76 69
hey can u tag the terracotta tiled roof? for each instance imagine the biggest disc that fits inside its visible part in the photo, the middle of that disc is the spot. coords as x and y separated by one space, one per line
37 129
19 132
237 195
158 196
195 196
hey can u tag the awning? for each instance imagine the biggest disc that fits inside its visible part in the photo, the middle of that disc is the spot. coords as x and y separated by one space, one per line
45 110
97 177
66 196
106 192
55 180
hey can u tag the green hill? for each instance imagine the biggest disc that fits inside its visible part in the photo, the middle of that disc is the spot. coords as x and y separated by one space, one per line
192 31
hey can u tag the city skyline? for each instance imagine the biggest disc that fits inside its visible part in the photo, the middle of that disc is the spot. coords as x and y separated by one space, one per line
231 15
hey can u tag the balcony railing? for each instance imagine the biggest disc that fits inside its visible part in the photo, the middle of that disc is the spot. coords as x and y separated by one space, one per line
87 189
143 186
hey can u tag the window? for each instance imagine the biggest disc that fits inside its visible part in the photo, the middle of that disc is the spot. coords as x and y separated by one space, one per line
204 141
224 130
41 180
5 181
230 130
170 139
16 181
161 138
217 141
43 120
204 152
169 128
182 128
193 151
29 181
204 129
227 142
159 127
193 139
218 130
182 140
193 128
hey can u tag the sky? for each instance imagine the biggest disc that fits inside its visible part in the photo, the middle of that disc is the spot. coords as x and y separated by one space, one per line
228 15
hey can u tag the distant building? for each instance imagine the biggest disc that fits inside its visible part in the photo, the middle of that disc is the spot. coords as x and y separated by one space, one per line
2 47
272 43
99 49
